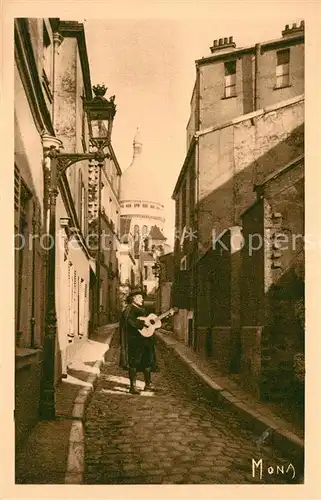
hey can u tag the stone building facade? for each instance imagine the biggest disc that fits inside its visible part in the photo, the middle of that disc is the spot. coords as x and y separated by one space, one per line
52 78
106 300
246 123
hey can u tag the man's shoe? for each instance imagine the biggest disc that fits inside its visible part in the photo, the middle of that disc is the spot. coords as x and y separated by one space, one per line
149 387
134 390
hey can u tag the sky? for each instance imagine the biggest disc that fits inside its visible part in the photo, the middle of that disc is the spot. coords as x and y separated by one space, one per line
149 65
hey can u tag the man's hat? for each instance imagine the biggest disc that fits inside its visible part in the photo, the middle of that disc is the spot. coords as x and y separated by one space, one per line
136 291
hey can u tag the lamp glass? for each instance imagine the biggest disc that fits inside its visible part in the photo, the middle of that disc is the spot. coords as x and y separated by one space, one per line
99 129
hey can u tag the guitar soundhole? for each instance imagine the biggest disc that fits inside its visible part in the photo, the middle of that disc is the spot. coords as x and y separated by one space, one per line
152 322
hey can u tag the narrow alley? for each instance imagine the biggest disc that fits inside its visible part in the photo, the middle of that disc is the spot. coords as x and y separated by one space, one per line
172 436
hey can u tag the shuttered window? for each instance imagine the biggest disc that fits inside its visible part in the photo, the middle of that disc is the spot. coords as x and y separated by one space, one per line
22 198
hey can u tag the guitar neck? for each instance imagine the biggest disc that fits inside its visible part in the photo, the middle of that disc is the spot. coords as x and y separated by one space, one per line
164 315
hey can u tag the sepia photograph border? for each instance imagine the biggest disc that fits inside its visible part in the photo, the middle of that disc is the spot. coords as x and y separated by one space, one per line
193 9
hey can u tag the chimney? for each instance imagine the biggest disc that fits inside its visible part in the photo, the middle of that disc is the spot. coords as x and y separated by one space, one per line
294 30
223 43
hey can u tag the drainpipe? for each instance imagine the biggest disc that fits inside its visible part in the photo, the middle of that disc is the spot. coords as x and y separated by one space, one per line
197 110
32 319
57 40
194 269
256 72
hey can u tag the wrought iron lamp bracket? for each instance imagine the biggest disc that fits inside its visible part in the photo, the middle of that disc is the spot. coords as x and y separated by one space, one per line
65 160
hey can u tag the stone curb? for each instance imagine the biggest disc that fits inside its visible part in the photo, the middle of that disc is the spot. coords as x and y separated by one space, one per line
282 439
76 452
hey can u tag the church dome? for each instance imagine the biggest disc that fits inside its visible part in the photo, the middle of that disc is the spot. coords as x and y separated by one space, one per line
138 182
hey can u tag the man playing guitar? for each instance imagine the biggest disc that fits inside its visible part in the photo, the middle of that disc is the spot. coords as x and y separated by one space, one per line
137 353
137 340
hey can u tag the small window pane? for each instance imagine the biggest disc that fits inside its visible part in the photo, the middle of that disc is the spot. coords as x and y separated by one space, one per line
230 80
230 68
230 91
282 69
283 57
282 81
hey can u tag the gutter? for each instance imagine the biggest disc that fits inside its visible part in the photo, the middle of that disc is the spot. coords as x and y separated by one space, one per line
254 114
256 70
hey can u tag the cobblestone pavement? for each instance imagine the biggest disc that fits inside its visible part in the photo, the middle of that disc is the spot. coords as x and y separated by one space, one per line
173 436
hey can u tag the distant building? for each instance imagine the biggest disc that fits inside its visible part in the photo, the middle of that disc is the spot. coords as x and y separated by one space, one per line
142 219
246 124
166 277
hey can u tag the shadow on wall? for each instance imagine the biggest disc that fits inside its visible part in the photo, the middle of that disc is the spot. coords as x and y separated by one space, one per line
218 298
222 208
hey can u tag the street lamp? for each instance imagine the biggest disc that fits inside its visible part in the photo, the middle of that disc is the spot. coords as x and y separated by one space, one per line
100 114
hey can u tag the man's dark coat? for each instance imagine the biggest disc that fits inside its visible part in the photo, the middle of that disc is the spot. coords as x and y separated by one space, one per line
136 351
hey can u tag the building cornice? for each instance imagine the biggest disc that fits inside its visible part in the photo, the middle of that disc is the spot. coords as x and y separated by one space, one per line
281 42
185 165
264 47
131 216
114 157
253 114
73 29
28 71
123 200
225 55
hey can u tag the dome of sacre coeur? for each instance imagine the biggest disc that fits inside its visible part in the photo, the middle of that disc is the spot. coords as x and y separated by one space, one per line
138 181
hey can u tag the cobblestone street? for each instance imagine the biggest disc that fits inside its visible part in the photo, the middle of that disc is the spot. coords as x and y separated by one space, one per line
173 436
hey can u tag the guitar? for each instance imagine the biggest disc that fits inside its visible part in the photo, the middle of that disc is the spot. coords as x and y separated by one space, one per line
153 321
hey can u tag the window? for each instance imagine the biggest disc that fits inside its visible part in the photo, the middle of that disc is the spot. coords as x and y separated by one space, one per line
152 206
145 205
128 205
82 204
22 205
283 68
230 79
146 244
177 210
191 193
184 203
145 272
71 301
136 233
183 265
136 204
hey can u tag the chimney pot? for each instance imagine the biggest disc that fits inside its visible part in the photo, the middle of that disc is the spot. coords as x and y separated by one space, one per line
294 26
286 27
225 41
215 43
302 24
220 42
231 39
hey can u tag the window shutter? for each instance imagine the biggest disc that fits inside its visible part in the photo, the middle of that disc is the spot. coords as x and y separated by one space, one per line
17 188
